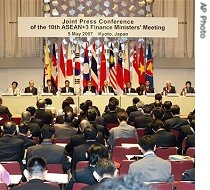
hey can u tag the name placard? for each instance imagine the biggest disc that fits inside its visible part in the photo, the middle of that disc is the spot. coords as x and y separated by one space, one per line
98 27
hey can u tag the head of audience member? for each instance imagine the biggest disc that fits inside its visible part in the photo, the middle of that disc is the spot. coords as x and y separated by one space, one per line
36 168
83 124
157 103
69 117
23 128
147 143
70 100
31 83
48 132
14 84
104 168
167 105
67 109
49 82
106 83
112 106
156 125
157 113
135 100
96 152
126 182
32 110
67 83
84 107
188 84
9 128
91 115
40 104
59 119
168 84
65 103
191 116
147 109
90 133
122 116
139 105
158 97
89 103
48 101
175 109
128 85
25 116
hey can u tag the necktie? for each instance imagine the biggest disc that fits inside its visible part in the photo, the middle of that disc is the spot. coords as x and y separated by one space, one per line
49 89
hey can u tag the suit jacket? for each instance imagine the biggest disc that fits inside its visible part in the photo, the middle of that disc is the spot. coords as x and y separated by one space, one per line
84 175
53 90
11 148
110 118
92 89
143 90
190 141
187 90
46 117
33 90
5 110
175 123
188 175
143 121
97 185
131 90
64 131
151 168
70 90
140 90
134 114
130 109
171 90
164 139
35 184
27 142
111 90
54 154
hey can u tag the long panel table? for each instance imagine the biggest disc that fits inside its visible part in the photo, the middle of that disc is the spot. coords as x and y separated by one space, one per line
17 104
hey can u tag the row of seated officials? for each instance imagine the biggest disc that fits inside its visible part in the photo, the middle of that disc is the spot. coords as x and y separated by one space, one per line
42 120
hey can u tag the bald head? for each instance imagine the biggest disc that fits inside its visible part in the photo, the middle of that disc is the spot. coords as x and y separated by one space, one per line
40 103
26 116
9 127
84 123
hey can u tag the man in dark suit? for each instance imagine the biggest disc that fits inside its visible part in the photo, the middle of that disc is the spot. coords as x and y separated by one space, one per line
129 89
89 88
11 147
4 109
50 88
140 89
53 154
31 88
94 153
67 88
35 174
168 88
148 88
106 88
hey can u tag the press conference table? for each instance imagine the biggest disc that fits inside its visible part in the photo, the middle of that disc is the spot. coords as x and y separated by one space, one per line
17 104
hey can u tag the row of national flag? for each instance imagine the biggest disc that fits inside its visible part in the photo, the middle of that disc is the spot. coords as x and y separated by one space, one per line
118 69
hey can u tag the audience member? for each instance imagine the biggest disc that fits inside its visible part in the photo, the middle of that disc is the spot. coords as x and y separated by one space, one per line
157 102
31 88
49 106
168 88
104 170
72 104
14 89
123 130
94 153
35 175
189 175
188 88
167 110
4 109
4 175
190 140
67 88
89 88
132 108
128 89
50 88
151 168
54 154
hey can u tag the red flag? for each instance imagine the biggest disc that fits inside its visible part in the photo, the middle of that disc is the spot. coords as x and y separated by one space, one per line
126 65
112 70
102 68
62 69
94 71
54 69
141 66
120 69
69 67
135 73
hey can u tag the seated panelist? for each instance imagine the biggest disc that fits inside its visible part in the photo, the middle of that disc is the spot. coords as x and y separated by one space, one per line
89 88
31 88
129 89
67 88
106 88
168 88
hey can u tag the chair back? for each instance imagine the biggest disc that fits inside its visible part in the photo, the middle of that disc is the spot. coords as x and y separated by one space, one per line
13 167
109 126
124 167
131 140
185 185
191 152
3 186
81 164
79 186
162 185
140 132
3 118
55 168
64 141
184 145
178 168
165 152
176 132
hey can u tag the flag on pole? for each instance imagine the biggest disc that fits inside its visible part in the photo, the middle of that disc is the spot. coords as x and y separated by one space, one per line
69 67
135 70
77 71
86 68
149 67
112 70
103 67
126 66
141 66
62 69
120 69
54 68
93 71
47 66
